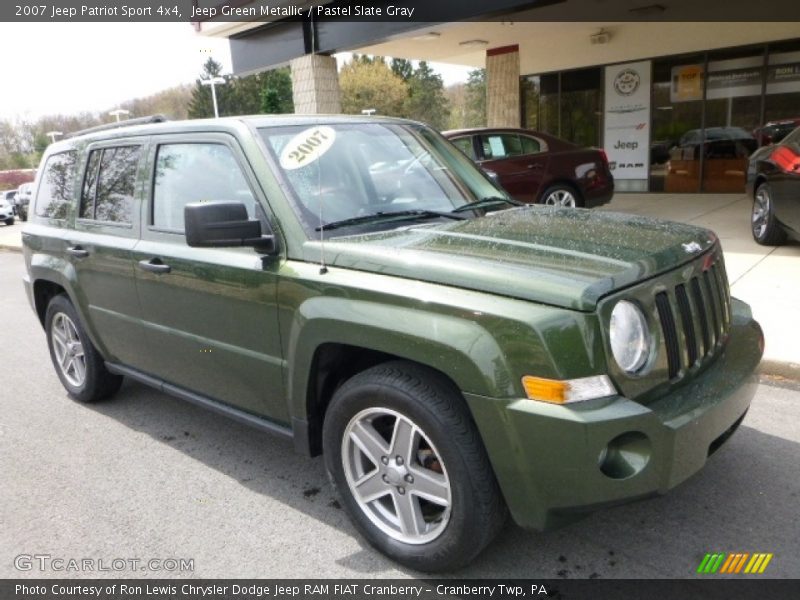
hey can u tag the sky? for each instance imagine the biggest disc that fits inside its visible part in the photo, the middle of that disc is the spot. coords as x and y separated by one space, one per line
50 68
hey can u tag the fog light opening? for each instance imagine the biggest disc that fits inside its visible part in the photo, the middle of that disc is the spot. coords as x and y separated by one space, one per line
626 455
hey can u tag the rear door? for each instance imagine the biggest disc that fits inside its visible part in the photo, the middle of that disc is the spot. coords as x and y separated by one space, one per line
107 226
519 161
210 313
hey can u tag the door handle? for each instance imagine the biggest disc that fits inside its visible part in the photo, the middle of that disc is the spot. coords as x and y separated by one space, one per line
154 265
535 166
77 252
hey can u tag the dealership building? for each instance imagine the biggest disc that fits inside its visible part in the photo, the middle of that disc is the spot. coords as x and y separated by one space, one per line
675 97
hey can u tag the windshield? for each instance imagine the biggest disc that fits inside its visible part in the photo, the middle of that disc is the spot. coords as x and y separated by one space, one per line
343 171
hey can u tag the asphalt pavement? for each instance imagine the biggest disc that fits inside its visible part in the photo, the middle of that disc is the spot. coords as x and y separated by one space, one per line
145 476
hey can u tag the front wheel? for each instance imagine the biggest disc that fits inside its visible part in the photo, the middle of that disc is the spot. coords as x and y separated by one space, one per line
407 461
78 364
765 227
10 221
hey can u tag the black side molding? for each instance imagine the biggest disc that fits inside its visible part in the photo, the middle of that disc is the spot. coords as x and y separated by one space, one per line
204 401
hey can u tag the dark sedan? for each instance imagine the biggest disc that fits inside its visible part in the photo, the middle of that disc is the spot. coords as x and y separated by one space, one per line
536 167
773 181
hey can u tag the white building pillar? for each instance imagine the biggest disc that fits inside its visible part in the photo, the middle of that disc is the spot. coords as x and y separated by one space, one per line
315 85
502 87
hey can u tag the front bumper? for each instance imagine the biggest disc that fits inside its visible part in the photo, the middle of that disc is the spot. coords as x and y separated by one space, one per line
548 457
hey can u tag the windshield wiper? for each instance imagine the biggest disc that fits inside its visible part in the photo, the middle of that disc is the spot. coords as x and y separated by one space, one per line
400 215
486 203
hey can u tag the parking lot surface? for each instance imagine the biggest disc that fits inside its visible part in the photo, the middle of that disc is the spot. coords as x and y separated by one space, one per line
145 476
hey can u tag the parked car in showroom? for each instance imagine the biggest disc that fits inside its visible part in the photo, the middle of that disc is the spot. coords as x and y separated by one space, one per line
716 143
23 200
7 210
773 181
452 365
539 168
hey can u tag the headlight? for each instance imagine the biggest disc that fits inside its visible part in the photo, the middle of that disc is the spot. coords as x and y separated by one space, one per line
630 337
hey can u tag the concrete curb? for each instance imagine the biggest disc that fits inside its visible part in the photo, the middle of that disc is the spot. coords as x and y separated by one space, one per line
786 373
8 248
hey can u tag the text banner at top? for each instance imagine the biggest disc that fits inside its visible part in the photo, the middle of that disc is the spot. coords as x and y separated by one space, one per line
419 11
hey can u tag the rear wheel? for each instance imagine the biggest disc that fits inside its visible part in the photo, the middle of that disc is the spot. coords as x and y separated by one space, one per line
765 227
405 457
78 365
561 195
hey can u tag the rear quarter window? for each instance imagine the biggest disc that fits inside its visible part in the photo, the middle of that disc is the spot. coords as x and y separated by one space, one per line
57 183
465 145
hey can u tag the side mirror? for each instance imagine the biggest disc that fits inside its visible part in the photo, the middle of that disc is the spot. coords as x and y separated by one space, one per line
224 225
491 175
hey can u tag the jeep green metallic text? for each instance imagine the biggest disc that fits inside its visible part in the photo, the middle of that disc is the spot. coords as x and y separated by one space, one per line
356 284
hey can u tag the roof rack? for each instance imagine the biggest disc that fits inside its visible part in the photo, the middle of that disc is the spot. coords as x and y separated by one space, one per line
125 123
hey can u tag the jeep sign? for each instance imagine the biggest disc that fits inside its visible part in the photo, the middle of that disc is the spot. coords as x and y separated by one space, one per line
627 122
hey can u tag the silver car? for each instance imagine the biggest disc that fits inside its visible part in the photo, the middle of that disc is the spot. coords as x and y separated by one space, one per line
6 211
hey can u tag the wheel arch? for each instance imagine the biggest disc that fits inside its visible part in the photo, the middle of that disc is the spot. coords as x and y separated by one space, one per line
51 276
325 353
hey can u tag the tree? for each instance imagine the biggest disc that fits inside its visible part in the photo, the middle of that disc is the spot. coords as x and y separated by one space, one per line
201 105
172 103
426 100
402 68
268 92
276 92
371 85
475 102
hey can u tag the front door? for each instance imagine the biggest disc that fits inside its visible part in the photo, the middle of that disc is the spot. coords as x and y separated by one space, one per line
210 313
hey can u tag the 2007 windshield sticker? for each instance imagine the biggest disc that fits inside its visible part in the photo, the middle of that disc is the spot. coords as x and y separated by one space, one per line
307 146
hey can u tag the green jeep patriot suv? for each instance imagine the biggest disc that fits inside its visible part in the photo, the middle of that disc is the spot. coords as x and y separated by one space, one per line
356 284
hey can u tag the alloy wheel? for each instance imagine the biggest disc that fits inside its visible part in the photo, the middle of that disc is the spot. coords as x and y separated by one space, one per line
68 349
761 208
396 475
561 197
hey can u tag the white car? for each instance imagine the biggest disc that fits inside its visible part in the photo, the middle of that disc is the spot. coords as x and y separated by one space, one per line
6 212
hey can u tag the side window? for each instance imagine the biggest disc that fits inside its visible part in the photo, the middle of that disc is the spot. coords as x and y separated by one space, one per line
195 173
90 185
55 189
530 145
107 193
504 145
465 145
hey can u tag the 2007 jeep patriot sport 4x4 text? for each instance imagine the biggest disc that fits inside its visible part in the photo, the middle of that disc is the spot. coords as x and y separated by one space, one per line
358 285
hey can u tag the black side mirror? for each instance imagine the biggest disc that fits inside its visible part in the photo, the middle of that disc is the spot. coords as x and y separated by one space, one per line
224 225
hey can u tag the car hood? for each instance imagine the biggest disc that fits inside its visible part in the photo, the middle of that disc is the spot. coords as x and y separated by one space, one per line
563 257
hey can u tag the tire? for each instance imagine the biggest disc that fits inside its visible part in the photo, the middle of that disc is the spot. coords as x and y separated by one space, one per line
763 224
399 409
10 221
562 195
78 365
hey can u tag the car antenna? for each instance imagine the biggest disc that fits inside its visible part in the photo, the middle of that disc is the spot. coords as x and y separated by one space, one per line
323 267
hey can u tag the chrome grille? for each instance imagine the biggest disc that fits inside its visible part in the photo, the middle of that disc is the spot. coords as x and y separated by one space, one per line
694 317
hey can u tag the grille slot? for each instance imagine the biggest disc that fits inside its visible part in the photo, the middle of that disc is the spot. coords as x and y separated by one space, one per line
698 302
712 307
685 310
670 333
